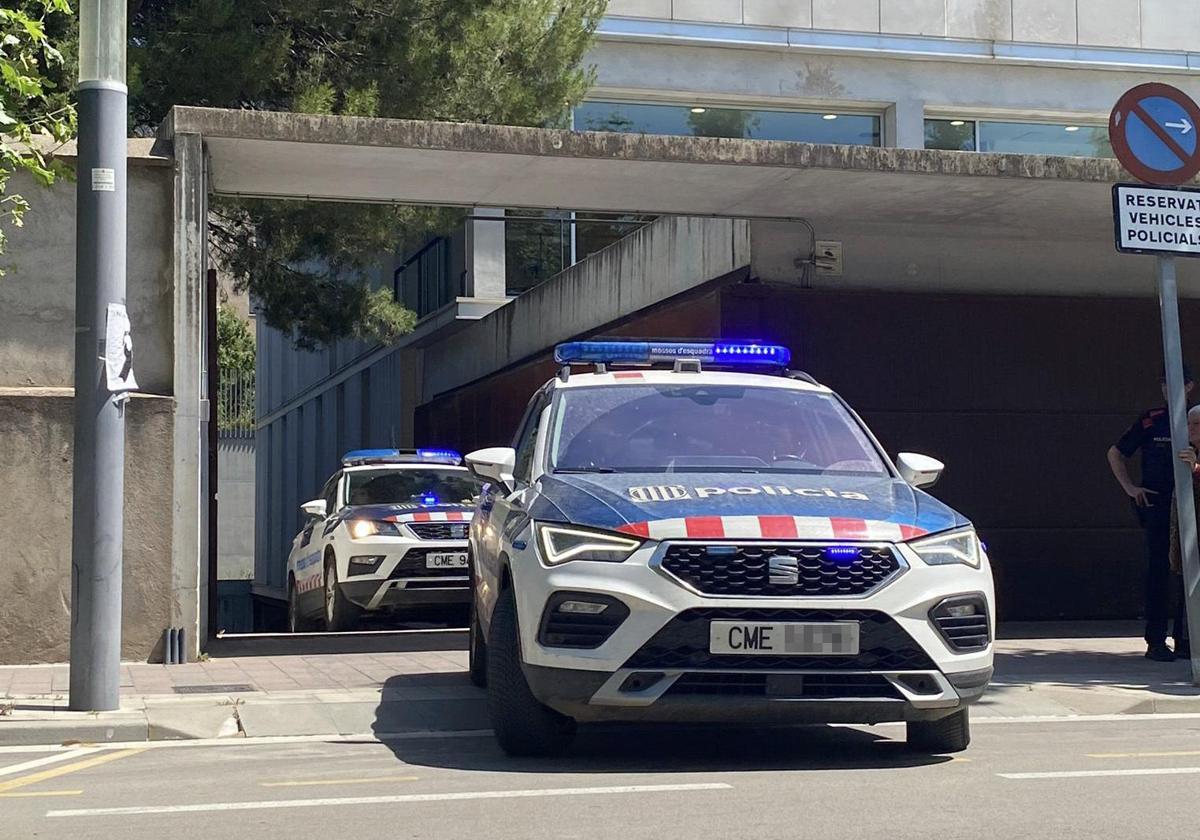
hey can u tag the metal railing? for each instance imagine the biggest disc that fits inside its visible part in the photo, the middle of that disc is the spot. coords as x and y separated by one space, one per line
235 404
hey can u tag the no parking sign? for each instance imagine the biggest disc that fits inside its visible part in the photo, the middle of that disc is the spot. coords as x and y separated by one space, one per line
1153 130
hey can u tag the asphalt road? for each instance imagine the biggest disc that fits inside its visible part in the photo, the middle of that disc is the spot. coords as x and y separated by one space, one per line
1088 778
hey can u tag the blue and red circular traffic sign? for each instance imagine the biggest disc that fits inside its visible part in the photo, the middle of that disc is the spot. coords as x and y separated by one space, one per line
1153 130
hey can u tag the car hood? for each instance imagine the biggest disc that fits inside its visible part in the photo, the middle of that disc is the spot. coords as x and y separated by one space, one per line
630 501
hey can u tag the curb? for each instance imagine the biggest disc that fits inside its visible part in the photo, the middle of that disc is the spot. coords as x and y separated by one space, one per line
28 733
256 718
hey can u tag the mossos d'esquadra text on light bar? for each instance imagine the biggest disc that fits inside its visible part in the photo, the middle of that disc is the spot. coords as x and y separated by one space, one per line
750 353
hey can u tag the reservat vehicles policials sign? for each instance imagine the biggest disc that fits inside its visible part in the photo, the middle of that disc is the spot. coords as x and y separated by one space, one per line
1152 220
690 532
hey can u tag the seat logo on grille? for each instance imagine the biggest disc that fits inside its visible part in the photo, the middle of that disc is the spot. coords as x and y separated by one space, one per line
784 570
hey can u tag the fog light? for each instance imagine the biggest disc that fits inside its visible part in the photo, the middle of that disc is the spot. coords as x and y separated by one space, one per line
364 565
582 607
960 610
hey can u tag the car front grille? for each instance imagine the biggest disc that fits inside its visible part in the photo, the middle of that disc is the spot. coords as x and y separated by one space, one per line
791 686
683 643
439 530
781 571
412 565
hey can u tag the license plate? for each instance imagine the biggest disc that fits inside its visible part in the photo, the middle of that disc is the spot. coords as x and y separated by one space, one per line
446 560
788 638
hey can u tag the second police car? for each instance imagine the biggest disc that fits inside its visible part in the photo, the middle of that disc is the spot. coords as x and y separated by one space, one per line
719 540
388 533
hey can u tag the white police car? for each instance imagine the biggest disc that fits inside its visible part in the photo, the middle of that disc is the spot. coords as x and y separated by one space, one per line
694 544
389 532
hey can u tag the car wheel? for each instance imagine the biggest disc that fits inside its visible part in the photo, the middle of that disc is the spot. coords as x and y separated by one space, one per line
945 735
340 614
476 650
296 622
523 726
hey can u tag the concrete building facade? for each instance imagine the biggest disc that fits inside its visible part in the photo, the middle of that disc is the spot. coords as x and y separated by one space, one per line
917 273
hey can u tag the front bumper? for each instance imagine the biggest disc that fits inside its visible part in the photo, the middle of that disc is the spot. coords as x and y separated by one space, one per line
402 579
656 665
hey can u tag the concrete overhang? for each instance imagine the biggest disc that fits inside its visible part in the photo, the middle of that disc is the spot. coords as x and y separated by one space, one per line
284 155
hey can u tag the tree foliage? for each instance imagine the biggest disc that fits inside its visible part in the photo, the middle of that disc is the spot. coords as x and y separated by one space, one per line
35 107
310 265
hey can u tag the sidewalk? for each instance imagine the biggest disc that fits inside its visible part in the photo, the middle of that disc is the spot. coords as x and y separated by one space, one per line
396 692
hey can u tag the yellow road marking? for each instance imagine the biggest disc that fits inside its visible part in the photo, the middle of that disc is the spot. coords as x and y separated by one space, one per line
55 772
311 782
27 793
1145 754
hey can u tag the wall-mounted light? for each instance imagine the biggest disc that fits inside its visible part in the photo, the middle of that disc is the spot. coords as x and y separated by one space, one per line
830 117
1071 128
698 110
957 123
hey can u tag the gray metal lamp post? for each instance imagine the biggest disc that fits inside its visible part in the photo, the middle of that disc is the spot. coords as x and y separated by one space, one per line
97 536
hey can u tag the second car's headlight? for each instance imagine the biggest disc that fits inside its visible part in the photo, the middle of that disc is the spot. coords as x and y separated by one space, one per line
961 546
560 544
363 528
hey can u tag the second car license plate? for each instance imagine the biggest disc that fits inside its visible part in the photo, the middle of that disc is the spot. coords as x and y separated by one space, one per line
446 560
836 638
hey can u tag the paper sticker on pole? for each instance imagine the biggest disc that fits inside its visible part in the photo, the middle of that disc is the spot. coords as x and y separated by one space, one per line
1153 130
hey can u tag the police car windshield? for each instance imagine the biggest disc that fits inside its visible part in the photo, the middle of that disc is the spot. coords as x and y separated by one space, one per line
423 486
707 428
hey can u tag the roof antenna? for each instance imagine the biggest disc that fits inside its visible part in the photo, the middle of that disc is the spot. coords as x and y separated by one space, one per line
564 373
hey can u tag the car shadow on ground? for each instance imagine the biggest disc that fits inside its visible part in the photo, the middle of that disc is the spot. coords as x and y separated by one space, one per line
463 744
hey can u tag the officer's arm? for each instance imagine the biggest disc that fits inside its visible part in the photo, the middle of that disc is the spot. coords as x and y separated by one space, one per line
1119 465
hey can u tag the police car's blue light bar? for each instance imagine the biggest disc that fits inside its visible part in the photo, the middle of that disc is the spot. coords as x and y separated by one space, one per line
370 455
439 455
651 352
399 456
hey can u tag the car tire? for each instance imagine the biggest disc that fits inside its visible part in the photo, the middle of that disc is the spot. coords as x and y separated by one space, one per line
944 735
296 621
340 614
523 726
477 653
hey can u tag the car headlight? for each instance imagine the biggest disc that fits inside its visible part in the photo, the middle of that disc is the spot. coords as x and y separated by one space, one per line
961 546
561 544
363 528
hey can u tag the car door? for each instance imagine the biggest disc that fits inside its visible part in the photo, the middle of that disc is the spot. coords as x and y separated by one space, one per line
504 508
311 542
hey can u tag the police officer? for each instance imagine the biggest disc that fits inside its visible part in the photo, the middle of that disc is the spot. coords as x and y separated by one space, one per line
1151 434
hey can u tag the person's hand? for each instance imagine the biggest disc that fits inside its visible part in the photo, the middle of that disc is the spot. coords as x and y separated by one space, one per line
1188 456
1141 496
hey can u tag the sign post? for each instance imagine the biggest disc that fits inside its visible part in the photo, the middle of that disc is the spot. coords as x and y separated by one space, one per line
1153 130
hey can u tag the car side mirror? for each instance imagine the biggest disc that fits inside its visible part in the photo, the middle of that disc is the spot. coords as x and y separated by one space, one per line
494 464
919 470
314 509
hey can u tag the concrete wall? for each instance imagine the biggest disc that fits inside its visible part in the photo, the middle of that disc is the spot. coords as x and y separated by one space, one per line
235 508
37 310
1149 24
35 512
657 262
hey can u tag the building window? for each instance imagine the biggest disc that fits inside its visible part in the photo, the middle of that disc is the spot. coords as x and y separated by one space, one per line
1067 139
703 121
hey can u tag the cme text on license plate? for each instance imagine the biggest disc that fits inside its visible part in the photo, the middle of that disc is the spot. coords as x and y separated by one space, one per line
456 560
839 638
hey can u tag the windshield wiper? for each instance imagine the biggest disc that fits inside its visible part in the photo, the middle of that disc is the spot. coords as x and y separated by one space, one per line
575 470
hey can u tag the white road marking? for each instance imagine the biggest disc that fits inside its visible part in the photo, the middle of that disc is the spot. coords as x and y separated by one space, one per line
383 800
1088 774
50 759
265 740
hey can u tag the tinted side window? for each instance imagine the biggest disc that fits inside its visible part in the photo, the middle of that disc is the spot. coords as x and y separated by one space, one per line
330 494
526 443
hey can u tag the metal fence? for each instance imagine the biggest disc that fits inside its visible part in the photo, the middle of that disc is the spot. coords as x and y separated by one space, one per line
235 404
